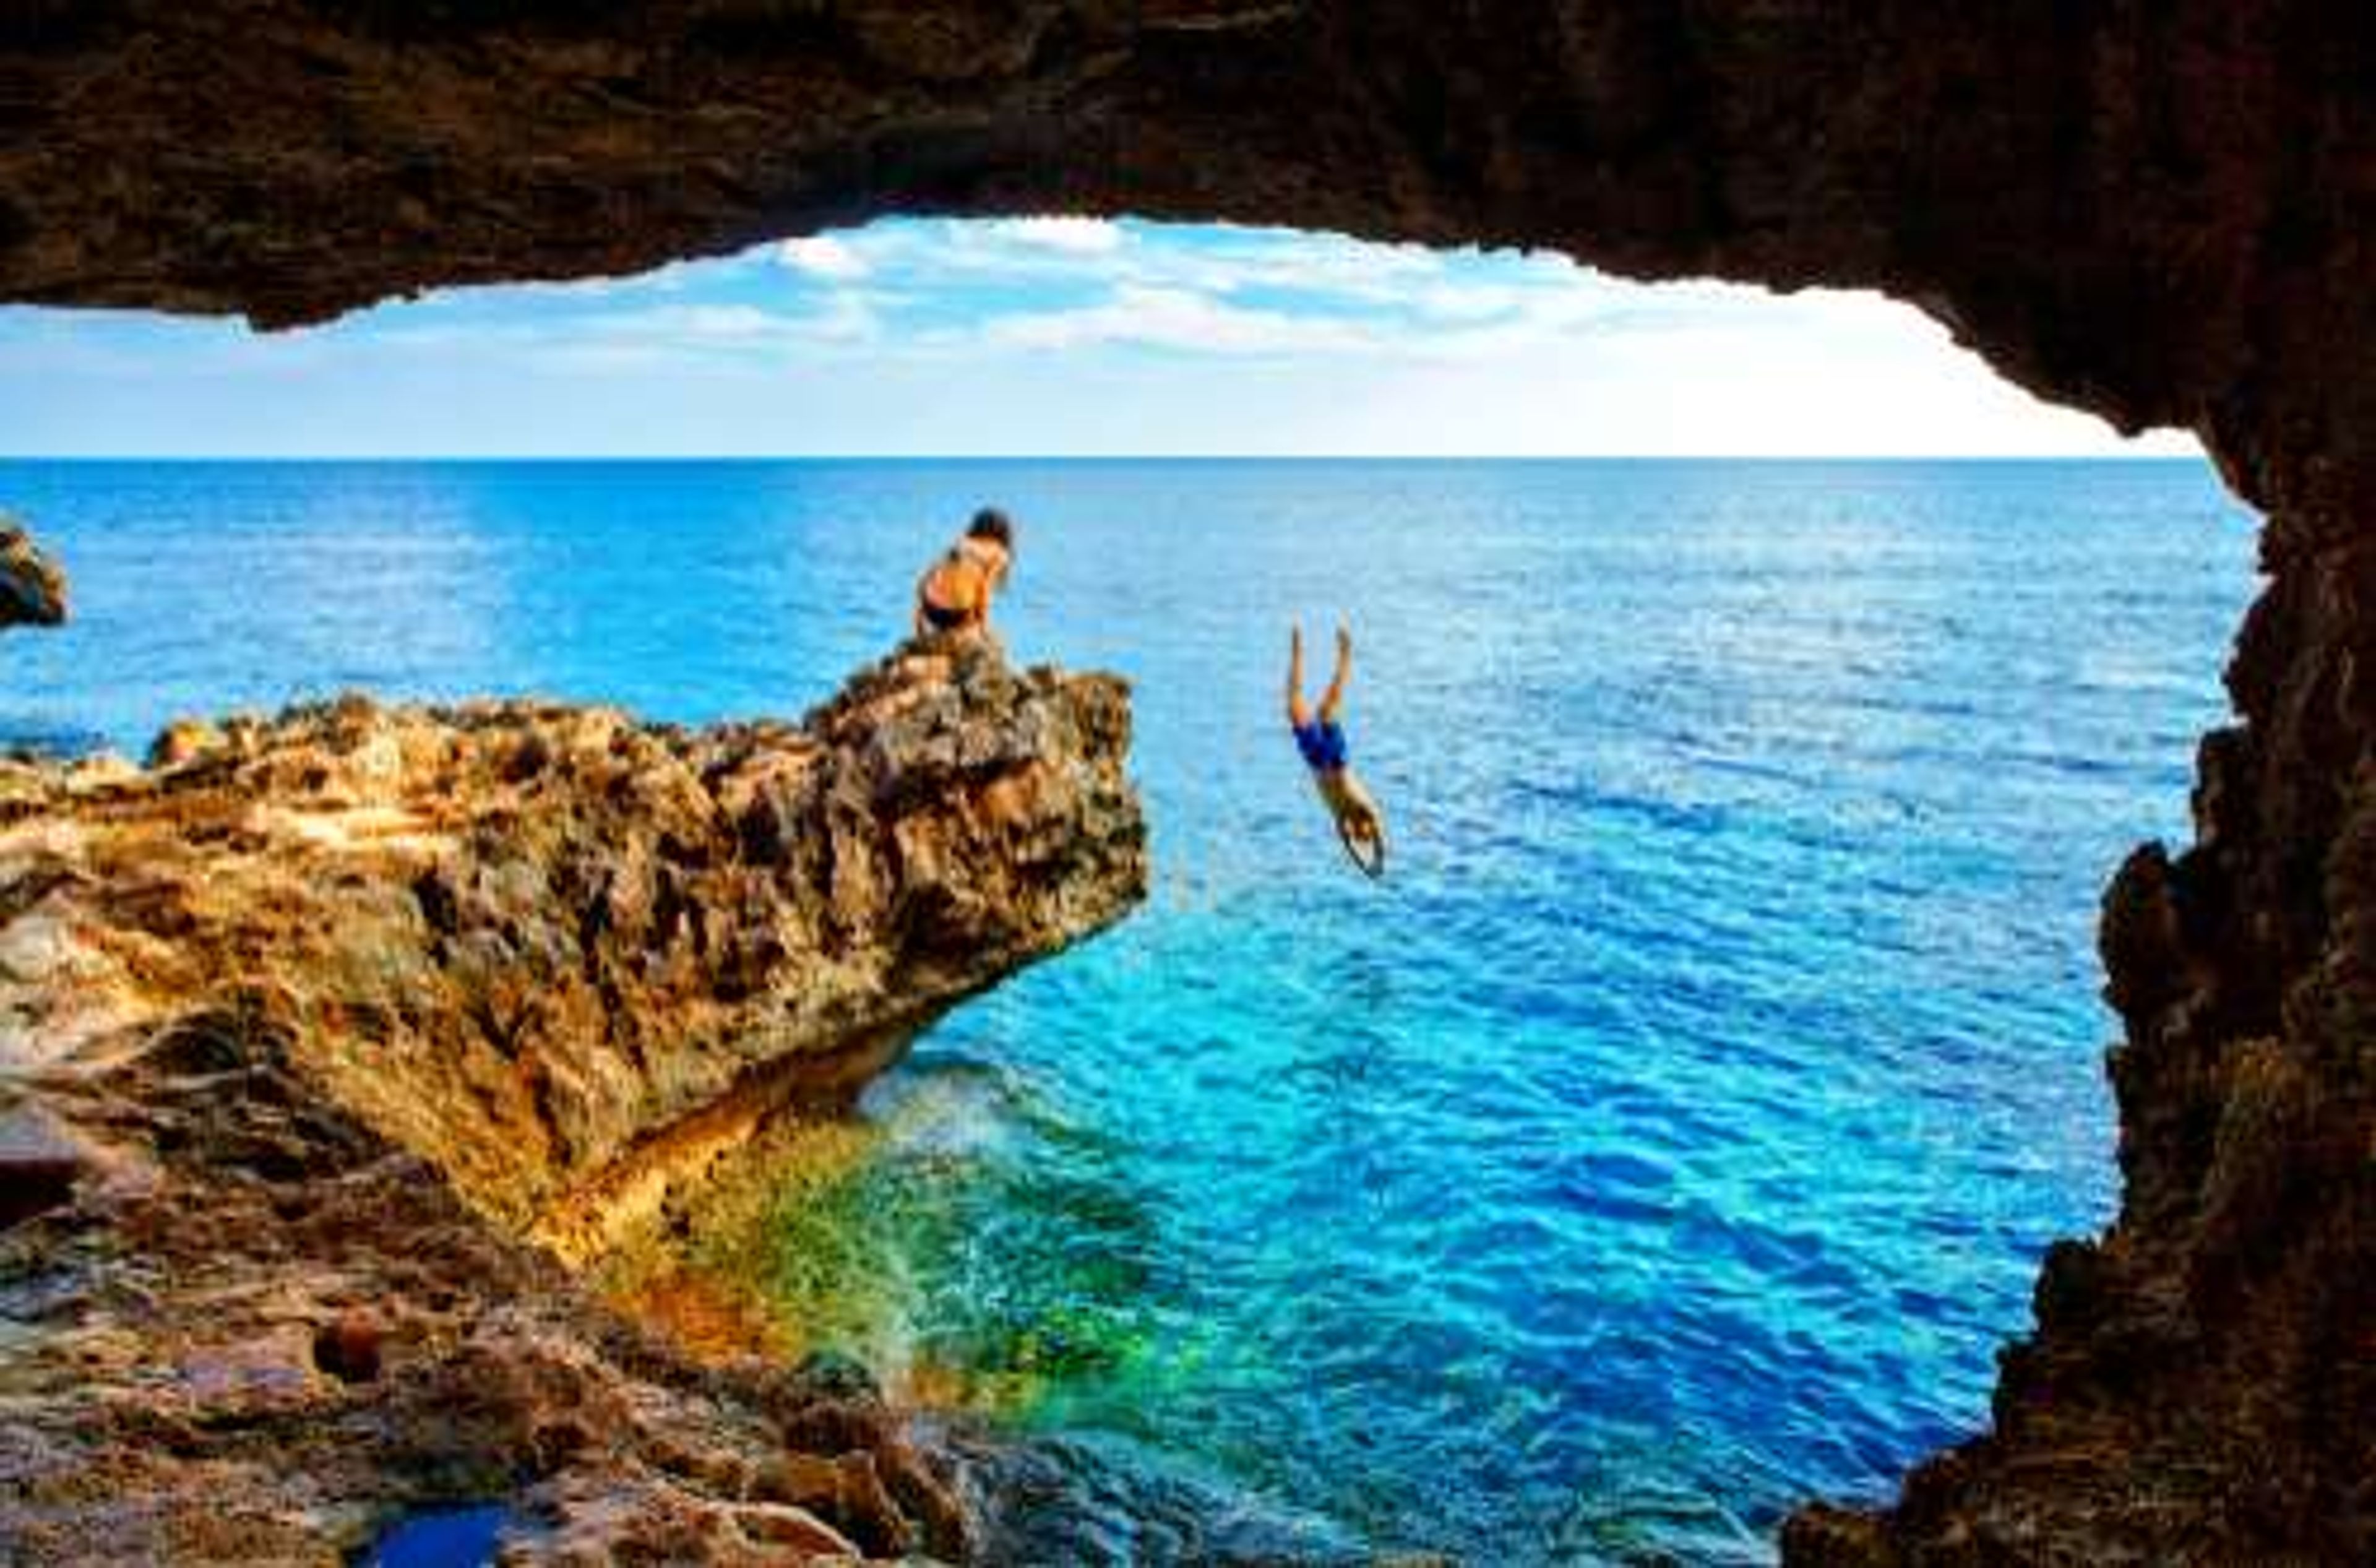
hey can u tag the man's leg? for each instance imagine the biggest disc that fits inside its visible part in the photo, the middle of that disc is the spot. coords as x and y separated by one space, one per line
1333 701
1298 715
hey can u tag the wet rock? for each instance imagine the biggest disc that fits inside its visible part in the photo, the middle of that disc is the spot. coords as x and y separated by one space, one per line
844 1490
348 1348
1102 1501
1823 1536
835 1375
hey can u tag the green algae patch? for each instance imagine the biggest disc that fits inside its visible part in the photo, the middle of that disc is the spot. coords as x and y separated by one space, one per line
970 1260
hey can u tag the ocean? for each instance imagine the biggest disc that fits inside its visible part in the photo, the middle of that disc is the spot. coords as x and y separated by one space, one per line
1673 1133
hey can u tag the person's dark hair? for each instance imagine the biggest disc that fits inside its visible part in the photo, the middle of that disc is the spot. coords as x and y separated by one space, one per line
993 525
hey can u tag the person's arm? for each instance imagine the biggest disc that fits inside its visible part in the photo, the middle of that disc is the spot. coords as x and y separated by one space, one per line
991 583
967 575
1334 701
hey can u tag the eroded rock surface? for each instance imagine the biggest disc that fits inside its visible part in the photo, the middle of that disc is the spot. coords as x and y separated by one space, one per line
306 1027
552 949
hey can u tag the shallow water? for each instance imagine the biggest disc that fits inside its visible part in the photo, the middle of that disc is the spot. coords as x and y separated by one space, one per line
1673 1135
468 1536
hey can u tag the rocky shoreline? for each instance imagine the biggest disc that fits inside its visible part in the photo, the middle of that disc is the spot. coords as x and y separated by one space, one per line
327 1044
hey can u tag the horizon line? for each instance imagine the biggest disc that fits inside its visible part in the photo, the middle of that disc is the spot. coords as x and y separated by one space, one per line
624 457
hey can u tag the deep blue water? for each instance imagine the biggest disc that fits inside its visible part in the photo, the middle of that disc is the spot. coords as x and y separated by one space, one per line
1671 1136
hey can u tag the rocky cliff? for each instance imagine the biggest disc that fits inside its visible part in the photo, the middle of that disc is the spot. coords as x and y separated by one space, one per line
2161 212
307 1027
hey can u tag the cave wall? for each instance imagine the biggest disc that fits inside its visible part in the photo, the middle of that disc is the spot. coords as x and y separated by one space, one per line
2158 211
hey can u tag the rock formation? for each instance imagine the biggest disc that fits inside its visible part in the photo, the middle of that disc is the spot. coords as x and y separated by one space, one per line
32 588
308 1026
2158 212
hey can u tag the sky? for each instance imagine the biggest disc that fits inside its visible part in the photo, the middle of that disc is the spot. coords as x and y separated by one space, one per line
1052 336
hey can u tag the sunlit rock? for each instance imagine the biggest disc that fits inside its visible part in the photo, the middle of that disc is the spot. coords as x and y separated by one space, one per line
314 1027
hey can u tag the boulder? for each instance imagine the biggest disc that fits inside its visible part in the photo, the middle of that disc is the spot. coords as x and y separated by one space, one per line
33 588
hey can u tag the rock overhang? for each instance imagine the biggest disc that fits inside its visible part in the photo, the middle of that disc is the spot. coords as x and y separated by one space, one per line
2150 215
525 940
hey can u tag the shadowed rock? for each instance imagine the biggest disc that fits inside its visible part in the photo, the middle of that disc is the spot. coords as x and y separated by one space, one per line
32 588
39 1164
308 1031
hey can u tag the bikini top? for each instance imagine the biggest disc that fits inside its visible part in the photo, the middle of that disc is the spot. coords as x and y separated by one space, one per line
982 555
980 549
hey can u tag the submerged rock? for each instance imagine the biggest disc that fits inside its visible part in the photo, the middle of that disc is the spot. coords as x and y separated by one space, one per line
1102 1503
32 588
321 1022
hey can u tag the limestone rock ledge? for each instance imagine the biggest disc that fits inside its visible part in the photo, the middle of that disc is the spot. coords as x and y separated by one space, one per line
309 1027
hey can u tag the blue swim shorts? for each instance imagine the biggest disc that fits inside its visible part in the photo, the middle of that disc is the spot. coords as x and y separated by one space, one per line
1322 745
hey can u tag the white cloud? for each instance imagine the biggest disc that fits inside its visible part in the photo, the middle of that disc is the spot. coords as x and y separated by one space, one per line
826 256
846 318
1299 273
678 338
1331 264
1108 337
1173 318
714 323
1070 236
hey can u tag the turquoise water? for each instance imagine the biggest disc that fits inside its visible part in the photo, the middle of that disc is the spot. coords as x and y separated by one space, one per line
1673 1135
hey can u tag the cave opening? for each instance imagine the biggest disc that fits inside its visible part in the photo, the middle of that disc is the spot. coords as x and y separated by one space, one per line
1788 963
2157 214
